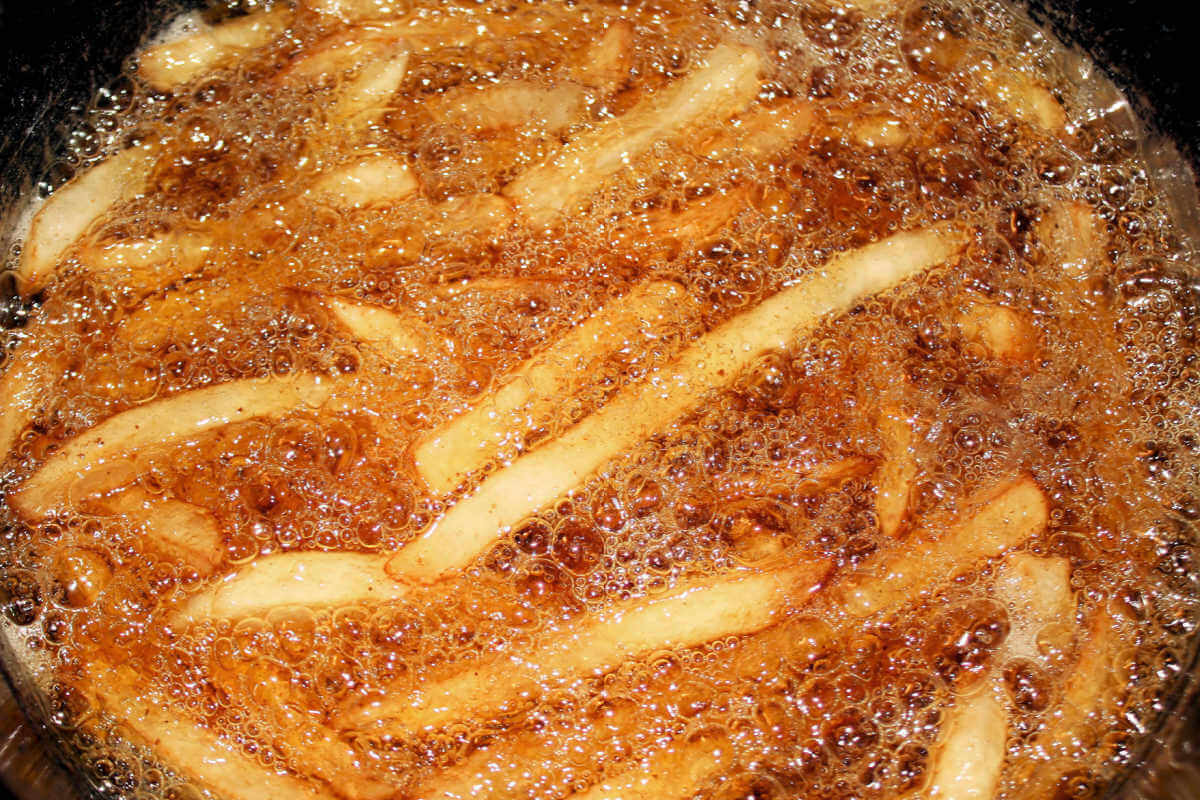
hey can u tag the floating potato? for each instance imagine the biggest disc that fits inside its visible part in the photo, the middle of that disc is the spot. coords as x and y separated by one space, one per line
606 65
391 334
673 773
1037 593
969 754
172 64
455 449
159 424
1003 333
338 54
880 132
75 207
510 104
897 473
757 134
373 181
723 86
170 527
1073 235
363 98
1022 96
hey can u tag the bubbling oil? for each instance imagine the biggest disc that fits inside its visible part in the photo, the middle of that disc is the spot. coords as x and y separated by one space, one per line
1101 414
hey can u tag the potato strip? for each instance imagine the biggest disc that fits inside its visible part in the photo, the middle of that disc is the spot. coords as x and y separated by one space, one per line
367 182
195 752
172 527
529 395
74 207
147 265
162 423
897 474
970 752
727 83
711 362
673 773
368 93
391 334
172 64
690 615
314 579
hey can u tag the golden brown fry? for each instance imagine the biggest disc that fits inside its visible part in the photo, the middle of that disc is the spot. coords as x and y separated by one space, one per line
149 719
313 579
172 64
149 264
898 472
171 527
392 334
758 133
726 84
713 361
1073 235
1022 96
75 207
1003 333
367 94
370 182
970 751
689 615
162 423
454 450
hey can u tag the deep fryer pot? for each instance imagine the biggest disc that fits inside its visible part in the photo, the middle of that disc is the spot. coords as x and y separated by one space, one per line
56 54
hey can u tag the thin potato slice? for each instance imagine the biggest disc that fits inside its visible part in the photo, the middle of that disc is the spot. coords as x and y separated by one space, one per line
171 527
149 264
158 424
195 752
73 208
367 94
466 443
898 472
970 751
380 180
313 579
727 83
690 615
713 361
172 64
391 334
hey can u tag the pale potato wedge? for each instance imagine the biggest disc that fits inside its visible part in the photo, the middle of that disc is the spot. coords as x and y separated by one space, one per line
392 334
1004 333
1037 592
74 207
172 64
511 104
689 615
149 264
723 86
365 96
897 473
454 450
162 423
713 361
170 527
313 579
970 750
370 182
151 720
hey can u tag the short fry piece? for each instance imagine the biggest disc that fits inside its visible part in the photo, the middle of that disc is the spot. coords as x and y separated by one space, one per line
1023 97
970 752
367 182
674 773
313 579
162 423
148 719
74 207
392 334
466 443
898 472
175 63
338 54
607 63
880 132
690 615
1037 592
149 264
171 526
1073 235
1004 333
727 83
367 93
713 361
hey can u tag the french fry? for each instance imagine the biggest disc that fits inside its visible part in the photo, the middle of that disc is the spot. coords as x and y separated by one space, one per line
713 361
360 102
23 388
454 450
1022 96
1073 235
689 615
879 132
673 773
1004 333
1037 592
511 104
75 207
758 133
490 286
380 180
727 83
313 579
695 224
607 63
471 215
171 527
149 719
148 264
338 54
159 424
897 473
175 63
970 751
392 334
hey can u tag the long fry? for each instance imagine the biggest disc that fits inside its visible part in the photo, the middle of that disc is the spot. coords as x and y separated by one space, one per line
392 334
970 752
361 100
170 526
466 443
197 753
181 61
313 579
70 211
713 361
726 84
148 264
161 423
897 473
380 180
697 612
